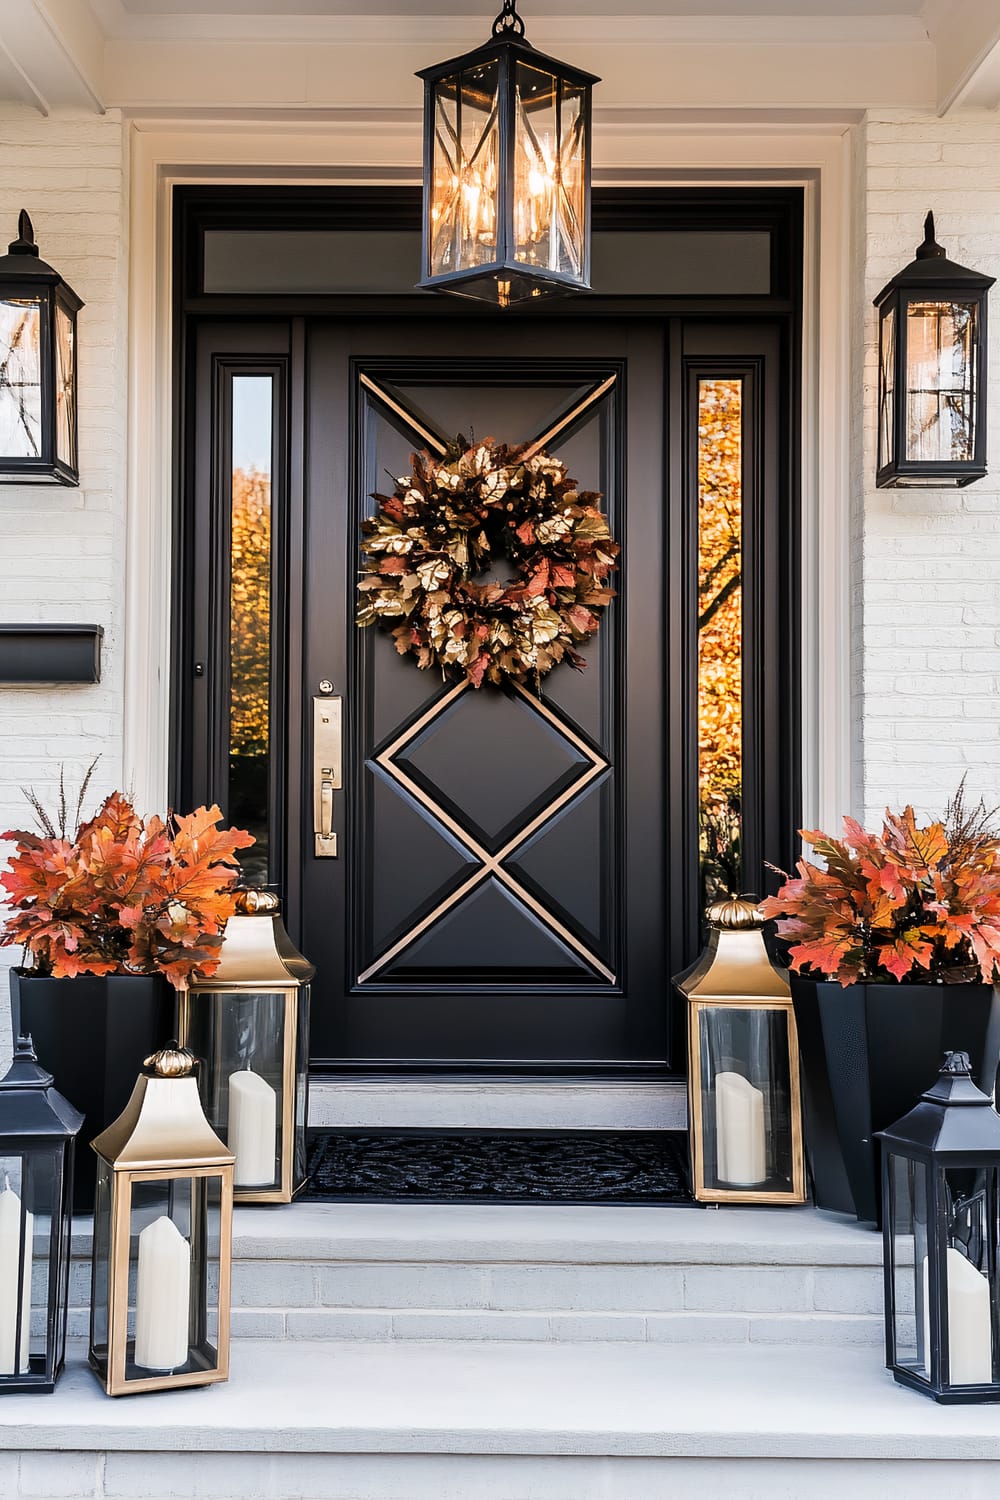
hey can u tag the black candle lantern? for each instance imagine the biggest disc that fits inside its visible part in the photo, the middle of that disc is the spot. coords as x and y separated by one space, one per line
940 1199
38 1131
506 171
38 398
932 372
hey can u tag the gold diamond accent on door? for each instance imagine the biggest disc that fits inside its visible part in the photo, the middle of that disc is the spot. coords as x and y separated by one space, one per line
491 864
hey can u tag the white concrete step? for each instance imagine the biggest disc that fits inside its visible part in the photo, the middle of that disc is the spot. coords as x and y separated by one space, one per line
384 1272
449 1421
496 1104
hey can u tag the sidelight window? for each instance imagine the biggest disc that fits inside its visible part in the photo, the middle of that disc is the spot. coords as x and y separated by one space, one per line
720 633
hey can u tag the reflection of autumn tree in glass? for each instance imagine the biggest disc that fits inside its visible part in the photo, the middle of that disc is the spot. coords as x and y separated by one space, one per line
720 609
250 648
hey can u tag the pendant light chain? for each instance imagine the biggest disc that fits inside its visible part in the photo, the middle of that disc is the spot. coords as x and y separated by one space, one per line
508 22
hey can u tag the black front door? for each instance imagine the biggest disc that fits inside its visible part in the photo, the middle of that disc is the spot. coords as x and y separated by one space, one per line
498 894
518 872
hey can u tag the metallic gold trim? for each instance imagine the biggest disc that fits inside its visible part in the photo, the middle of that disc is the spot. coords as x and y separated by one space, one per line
431 439
591 398
490 864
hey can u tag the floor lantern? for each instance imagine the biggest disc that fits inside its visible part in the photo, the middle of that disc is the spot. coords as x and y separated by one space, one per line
744 1107
507 164
38 1130
163 1225
249 1026
932 372
38 395
940 1205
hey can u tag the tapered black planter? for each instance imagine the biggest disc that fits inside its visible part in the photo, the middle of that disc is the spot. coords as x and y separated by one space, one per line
868 1053
92 1034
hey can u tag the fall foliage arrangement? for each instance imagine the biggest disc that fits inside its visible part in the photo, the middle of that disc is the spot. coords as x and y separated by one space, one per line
440 528
919 903
123 894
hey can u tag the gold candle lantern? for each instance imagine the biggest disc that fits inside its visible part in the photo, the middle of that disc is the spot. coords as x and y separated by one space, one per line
249 1026
744 1105
163 1214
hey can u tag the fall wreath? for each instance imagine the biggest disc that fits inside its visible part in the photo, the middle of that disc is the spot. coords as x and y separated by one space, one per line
441 527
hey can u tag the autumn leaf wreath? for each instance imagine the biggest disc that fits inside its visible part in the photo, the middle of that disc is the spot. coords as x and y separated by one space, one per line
441 527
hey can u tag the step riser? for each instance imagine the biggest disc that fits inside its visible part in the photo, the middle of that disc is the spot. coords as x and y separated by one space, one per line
423 1476
511 1301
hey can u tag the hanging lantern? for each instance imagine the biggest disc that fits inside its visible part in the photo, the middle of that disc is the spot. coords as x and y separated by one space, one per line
38 1130
744 1108
506 171
932 372
940 1202
163 1229
38 399
249 1026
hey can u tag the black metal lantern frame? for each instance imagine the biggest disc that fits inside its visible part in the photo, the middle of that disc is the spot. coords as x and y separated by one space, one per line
38 376
932 372
940 1205
38 1129
506 213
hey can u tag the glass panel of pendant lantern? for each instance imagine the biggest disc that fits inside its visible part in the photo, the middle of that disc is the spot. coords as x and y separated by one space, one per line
887 387
941 1216
65 386
465 171
550 209
20 377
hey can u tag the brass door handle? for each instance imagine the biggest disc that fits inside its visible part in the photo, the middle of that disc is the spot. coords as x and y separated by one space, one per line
328 719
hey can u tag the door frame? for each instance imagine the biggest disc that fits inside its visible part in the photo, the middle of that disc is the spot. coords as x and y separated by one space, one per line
779 210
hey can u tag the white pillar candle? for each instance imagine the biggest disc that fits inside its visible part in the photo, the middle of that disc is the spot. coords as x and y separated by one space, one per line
162 1297
10 1257
970 1337
253 1129
739 1131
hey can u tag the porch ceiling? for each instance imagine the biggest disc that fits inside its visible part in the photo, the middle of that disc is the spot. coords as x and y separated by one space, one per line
248 57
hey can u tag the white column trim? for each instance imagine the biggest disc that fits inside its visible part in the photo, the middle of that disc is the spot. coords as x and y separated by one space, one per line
664 150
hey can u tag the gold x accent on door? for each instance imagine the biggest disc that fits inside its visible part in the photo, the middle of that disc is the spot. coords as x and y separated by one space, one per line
490 864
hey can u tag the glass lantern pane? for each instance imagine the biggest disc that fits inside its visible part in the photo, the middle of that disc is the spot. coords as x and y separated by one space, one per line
100 1294
301 1085
240 1038
940 381
549 173
971 1199
887 387
911 1326
23 1272
746 1099
20 378
65 387
174 1237
462 231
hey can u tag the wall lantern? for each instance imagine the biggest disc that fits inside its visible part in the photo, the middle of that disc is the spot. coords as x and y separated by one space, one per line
163 1233
37 1138
744 1107
932 372
940 1199
38 397
249 1027
506 212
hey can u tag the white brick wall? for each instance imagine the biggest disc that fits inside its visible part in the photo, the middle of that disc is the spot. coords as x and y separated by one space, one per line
63 550
928 567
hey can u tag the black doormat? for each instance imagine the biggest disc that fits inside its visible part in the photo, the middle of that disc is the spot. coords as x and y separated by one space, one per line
509 1166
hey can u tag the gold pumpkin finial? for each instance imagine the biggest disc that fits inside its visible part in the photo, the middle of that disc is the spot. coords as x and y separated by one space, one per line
255 902
735 914
171 1061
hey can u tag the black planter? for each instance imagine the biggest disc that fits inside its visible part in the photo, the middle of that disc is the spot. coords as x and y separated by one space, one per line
93 1033
868 1053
